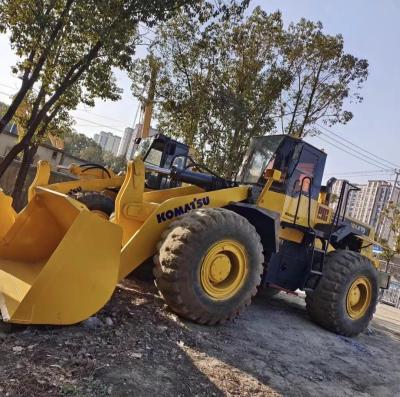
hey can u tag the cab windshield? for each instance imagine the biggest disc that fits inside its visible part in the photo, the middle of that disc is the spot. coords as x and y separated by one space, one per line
143 147
259 157
151 150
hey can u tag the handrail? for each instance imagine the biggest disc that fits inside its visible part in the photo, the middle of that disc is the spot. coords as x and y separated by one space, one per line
353 189
336 216
309 200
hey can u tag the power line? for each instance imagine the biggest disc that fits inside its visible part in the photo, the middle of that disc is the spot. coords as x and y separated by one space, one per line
350 153
377 162
6 94
100 125
366 172
9 86
354 152
98 115
373 176
357 146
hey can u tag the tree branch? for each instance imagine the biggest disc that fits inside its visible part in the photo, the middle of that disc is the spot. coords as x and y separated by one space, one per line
29 81
311 98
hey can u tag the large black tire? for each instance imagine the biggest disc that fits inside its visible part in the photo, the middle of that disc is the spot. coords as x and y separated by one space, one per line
327 304
181 252
97 202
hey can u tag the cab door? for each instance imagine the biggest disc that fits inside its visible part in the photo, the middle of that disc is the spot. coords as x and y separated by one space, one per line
304 183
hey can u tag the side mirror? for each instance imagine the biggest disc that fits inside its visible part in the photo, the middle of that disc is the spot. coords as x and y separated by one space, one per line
273 174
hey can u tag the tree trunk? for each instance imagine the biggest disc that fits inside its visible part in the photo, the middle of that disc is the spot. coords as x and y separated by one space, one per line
18 197
14 106
310 99
11 155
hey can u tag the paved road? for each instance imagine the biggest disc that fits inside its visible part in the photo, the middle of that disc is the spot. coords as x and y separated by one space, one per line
388 317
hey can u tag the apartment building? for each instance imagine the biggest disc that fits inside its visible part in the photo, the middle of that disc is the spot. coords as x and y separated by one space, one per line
366 204
108 141
351 195
373 198
125 141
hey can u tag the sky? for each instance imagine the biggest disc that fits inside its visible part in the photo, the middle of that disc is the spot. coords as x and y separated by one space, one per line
371 30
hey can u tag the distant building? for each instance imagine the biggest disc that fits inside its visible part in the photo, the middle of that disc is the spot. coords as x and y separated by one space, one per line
48 152
108 141
352 197
136 133
373 198
125 141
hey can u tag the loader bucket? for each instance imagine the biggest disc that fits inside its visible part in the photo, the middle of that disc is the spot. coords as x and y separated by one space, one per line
58 262
7 214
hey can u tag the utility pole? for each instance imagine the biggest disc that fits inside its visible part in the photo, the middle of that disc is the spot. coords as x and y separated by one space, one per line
395 202
148 105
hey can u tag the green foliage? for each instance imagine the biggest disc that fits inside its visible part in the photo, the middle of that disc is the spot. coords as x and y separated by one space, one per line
92 154
57 126
3 108
68 49
324 79
116 163
83 147
218 83
222 82
391 216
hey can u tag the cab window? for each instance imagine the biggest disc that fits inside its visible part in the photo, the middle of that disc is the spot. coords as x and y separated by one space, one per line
303 176
154 157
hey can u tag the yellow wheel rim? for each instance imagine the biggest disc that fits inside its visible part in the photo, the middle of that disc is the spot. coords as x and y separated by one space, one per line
100 213
224 269
359 297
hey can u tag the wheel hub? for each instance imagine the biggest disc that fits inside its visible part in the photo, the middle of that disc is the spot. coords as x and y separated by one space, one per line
359 297
223 269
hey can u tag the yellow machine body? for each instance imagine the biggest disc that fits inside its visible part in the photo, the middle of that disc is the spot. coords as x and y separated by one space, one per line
60 263
7 212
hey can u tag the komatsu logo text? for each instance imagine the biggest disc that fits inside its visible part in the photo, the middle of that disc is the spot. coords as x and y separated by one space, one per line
183 209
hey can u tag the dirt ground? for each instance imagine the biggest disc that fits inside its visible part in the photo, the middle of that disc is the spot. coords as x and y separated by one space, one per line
134 347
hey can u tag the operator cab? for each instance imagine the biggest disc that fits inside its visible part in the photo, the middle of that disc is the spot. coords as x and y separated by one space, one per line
161 151
301 165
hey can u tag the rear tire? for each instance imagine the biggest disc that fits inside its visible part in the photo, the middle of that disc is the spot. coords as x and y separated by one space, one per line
97 202
346 297
182 265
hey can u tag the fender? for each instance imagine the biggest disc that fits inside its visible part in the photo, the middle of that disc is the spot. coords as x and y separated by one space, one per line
266 222
349 228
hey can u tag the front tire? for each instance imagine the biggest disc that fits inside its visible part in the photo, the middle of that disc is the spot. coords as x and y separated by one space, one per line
209 265
346 297
97 203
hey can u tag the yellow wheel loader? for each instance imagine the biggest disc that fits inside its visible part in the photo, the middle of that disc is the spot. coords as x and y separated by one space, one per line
215 242
97 186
